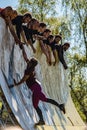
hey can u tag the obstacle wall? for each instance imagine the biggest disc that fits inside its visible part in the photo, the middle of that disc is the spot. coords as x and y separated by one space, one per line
53 80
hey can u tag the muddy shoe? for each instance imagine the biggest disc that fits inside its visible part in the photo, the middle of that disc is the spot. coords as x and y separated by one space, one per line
62 108
40 123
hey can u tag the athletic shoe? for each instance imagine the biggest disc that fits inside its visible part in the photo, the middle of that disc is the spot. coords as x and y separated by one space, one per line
62 108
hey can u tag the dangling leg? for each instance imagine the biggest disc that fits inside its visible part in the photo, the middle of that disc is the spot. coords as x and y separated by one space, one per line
39 112
61 106
52 102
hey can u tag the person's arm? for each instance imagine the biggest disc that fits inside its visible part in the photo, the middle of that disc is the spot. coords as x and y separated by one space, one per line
25 77
45 51
49 54
43 48
61 57
24 54
31 45
9 23
23 36
55 56
64 63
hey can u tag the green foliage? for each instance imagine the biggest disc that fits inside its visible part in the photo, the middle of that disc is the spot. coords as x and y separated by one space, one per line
65 29
22 10
78 19
59 25
54 24
77 60
78 106
78 83
79 96
38 8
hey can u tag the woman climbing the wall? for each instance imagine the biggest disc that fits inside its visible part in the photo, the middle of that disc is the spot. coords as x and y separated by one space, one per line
35 86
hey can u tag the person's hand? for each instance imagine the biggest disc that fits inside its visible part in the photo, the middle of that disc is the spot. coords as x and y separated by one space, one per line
21 45
65 67
17 41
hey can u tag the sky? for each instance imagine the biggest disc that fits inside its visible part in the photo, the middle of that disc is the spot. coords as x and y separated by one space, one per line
14 4
4 3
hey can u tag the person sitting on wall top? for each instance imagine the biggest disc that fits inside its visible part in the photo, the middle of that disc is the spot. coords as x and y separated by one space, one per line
30 31
18 21
7 14
42 28
57 39
52 41
35 86
14 15
60 50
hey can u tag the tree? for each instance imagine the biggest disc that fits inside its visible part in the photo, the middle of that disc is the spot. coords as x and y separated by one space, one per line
39 8
78 10
58 26
78 84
